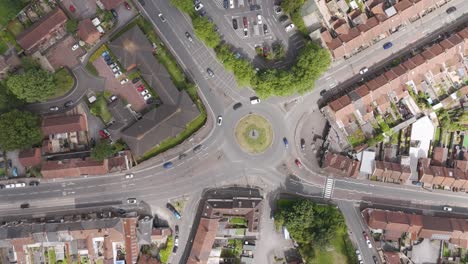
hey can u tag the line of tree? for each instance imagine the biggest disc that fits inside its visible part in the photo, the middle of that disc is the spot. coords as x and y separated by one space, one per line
311 62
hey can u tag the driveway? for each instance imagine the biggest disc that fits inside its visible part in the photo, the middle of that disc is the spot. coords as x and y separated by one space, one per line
61 54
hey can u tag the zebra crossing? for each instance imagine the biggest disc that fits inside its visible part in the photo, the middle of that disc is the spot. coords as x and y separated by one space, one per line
328 191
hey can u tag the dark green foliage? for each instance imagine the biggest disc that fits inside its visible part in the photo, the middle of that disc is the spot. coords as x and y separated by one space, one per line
34 85
293 8
72 25
10 8
184 5
20 130
104 150
204 30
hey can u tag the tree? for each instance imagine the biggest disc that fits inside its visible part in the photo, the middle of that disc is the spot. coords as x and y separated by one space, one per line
72 25
205 31
8 100
19 130
278 50
34 85
184 5
104 150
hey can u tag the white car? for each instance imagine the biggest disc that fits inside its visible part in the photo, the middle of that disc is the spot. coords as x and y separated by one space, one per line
132 200
220 120
176 241
9 186
124 81
448 209
147 96
116 69
198 7
363 70
21 184
117 74
144 92
289 27
129 176
259 19
358 254
254 100
369 244
75 47
162 17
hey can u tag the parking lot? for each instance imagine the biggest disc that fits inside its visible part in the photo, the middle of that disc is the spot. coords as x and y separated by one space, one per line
251 24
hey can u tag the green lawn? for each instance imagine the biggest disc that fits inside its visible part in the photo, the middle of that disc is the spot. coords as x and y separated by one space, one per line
91 69
51 255
15 27
10 8
165 253
99 108
263 134
64 82
238 221
341 250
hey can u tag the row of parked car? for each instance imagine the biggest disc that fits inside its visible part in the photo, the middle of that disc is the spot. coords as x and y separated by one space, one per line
18 185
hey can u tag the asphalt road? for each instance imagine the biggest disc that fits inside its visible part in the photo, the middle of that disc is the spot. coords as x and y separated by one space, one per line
221 162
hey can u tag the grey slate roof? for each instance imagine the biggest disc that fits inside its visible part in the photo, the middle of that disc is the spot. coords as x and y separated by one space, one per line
168 120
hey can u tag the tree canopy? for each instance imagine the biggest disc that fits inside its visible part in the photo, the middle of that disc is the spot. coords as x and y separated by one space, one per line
71 25
311 225
104 150
184 5
20 130
34 85
8 100
205 30
453 120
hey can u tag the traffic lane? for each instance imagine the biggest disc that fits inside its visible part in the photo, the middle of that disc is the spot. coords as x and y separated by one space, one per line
370 191
356 226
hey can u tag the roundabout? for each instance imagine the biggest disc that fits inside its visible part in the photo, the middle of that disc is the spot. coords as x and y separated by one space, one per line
254 134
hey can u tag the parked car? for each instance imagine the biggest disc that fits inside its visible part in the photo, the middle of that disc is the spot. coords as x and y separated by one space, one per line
210 72
237 106
144 92
75 47
278 10
245 21
289 27
265 29
448 209
173 210
174 249
24 206
115 69
168 165
117 74
2 186
417 183
302 144
376 260
363 70
451 10
124 81
246 32
20 184
146 97
254 100
283 18
323 92
163 19
103 133
129 176
53 108
114 13
132 200
182 156
14 172
113 98
33 183
220 120
198 6
140 88
285 142
176 230
387 45
234 24
127 6
298 163
176 241
189 37
259 19
68 104
226 4
135 80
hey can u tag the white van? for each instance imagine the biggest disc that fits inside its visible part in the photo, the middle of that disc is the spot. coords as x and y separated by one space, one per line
231 3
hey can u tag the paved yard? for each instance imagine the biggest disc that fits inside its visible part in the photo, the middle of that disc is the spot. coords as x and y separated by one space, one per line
426 252
62 54
83 8
126 91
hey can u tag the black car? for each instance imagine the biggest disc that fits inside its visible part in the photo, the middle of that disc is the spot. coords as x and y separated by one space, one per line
451 10
197 148
302 144
68 104
176 230
24 206
226 4
33 183
174 249
210 72
114 13
237 106
234 24
202 12
142 2
323 92
254 7
2 186
182 156
265 29
135 80
283 18
375 259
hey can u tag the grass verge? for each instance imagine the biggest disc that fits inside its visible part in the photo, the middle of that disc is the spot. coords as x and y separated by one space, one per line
254 143
99 108
166 252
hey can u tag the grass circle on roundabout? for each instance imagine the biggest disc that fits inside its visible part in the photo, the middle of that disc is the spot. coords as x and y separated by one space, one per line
254 134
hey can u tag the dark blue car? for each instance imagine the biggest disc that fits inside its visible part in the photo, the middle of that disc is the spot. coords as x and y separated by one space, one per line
387 45
285 142
168 165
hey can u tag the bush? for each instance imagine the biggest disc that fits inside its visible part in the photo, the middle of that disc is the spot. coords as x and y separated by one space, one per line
166 252
72 25
205 31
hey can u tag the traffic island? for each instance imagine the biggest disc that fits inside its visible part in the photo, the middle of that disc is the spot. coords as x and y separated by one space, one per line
254 134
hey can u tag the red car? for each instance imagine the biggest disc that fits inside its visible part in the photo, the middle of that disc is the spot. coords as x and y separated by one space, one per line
104 133
72 9
141 88
298 164
127 5
365 235
246 22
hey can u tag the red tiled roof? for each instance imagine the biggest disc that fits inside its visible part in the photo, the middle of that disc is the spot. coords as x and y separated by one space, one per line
63 124
362 90
402 5
203 242
463 33
88 32
30 157
29 38
340 103
73 168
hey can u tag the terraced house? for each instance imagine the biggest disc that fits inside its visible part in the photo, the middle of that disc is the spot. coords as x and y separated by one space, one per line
438 68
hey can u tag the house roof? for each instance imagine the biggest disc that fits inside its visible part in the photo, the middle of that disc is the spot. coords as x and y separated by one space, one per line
73 168
87 31
29 38
439 156
30 157
341 165
63 124
203 242
340 103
